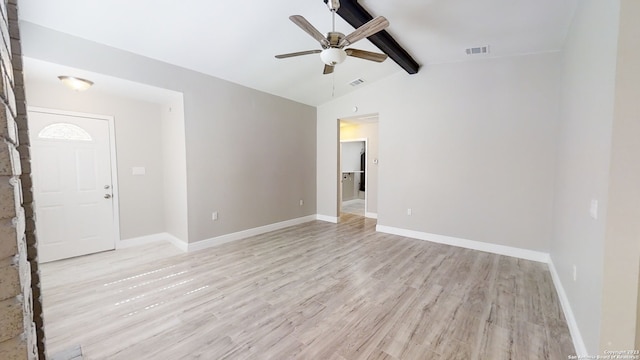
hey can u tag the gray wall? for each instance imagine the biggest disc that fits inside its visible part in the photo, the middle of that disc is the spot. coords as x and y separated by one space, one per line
138 143
250 155
475 142
588 73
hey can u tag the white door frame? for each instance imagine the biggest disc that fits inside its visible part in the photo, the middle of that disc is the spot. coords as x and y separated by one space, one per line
366 173
112 153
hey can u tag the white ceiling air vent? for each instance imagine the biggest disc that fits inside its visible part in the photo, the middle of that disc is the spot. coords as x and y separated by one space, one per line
478 50
356 82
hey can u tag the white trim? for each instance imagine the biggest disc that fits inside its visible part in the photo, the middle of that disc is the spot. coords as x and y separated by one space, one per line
331 219
150 239
139 241
112 155
371 215
468 244
115 189
578 342
219 240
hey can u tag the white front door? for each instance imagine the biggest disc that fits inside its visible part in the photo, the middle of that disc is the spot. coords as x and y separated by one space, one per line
73 191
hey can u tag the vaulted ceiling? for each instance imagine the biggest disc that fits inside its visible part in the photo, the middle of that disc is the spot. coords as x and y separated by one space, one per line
237 40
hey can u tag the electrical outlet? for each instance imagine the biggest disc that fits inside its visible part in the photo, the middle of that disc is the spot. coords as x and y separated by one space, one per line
301 202
575 273
409 211
214 216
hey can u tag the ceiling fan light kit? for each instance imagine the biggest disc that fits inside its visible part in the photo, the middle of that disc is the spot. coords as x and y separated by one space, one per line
333 51
333 56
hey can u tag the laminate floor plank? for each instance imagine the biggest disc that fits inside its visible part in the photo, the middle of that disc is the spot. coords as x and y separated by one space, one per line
311 291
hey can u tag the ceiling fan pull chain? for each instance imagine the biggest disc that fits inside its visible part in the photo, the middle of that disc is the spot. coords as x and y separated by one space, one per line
333 86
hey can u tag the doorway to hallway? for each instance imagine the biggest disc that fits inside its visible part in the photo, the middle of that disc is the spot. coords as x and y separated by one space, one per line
353 160
358 166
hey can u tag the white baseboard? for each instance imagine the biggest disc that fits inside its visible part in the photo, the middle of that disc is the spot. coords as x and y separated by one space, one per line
331 219
578 342
139 241
219 240
371 215
468 244
203 244
153 238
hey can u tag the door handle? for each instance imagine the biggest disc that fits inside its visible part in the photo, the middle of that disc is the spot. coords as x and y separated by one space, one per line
107 196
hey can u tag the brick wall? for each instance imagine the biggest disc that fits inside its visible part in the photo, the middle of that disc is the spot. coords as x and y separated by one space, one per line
21 335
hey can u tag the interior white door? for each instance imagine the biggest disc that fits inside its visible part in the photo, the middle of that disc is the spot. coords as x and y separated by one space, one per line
71 160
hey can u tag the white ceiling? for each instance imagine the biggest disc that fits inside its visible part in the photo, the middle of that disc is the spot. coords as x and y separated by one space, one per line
237 40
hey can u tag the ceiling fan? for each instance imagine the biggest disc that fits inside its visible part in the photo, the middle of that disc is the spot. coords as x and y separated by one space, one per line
333 51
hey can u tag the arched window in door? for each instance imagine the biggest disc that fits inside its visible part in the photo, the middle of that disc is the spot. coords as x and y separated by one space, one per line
64 131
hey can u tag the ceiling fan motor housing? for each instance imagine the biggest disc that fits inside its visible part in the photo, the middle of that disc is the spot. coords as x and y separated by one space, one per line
334 38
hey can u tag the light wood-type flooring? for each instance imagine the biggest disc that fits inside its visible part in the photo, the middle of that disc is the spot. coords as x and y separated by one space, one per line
313 291
355 207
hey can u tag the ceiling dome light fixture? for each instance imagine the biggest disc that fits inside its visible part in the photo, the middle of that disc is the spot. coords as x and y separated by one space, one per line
333 56
75 83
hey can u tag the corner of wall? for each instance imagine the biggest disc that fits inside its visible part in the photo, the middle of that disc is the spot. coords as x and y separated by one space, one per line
576 336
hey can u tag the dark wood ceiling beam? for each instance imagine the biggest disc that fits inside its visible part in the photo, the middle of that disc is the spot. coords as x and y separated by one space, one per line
356 16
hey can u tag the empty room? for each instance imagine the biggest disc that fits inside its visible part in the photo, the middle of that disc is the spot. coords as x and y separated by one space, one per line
411 179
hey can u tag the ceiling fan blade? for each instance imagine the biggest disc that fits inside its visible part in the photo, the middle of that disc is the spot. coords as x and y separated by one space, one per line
309 29
367 55
366 30
299 53
328 69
